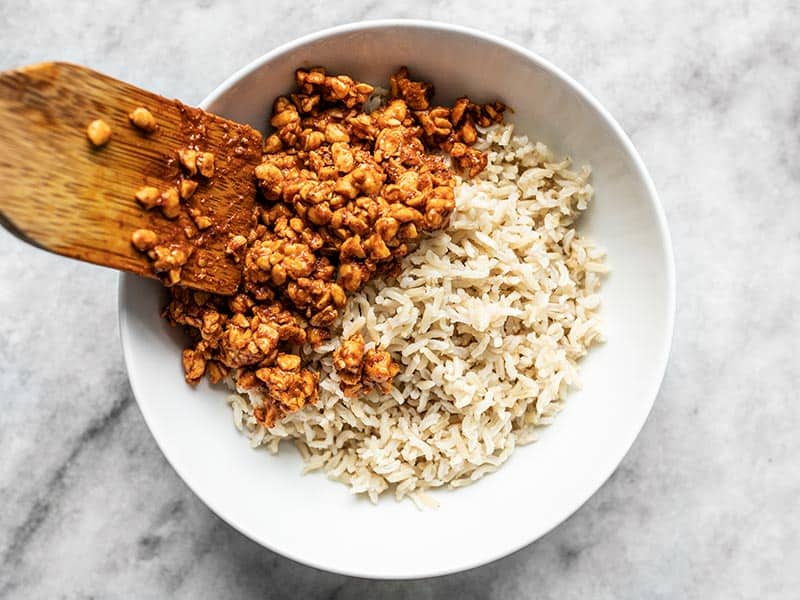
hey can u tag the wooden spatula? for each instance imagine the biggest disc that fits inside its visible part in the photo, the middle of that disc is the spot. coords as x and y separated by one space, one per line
61 193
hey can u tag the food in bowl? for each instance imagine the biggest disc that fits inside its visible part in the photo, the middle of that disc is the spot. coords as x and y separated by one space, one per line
471 296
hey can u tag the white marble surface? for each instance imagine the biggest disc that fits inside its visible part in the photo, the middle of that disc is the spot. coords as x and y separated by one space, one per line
706 503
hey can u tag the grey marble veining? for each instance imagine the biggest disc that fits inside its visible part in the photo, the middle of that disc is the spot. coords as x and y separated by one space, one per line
706 503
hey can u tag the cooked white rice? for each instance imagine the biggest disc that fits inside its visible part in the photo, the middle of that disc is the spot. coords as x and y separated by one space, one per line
487 320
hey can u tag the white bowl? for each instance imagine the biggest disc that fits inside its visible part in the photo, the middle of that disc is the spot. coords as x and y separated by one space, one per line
317 522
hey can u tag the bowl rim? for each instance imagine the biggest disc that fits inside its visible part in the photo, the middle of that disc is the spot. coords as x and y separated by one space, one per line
661 221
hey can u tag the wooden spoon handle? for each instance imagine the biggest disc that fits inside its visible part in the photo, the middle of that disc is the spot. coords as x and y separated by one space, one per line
59 192
55 187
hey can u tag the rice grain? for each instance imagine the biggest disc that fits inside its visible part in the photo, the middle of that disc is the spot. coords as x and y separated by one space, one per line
488 321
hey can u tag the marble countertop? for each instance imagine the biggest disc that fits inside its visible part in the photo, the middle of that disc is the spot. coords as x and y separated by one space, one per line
707 502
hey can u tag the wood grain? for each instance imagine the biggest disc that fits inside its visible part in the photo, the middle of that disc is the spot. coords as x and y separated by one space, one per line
59 192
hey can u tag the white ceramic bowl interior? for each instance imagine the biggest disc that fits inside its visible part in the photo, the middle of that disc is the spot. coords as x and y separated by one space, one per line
316 521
